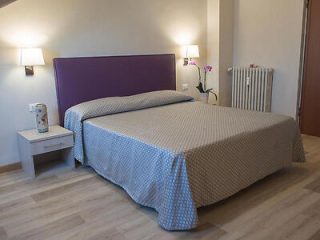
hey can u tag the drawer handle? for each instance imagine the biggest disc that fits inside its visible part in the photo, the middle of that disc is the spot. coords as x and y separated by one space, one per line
56 145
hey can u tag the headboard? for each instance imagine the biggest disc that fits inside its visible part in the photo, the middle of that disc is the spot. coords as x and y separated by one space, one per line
88 78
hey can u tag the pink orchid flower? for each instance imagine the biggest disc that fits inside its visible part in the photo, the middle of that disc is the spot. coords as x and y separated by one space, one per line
192 62
208 68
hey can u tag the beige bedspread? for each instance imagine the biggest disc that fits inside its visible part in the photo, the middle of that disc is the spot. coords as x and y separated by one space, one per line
175 155
225 149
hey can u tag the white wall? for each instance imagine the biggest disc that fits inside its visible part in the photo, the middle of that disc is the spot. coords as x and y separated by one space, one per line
268 33
85 28
263 32
226 51
213 41
220 47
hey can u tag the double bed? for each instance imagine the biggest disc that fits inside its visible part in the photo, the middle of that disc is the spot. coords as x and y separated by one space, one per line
167 151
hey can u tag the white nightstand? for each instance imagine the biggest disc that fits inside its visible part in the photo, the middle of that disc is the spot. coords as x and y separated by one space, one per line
36 148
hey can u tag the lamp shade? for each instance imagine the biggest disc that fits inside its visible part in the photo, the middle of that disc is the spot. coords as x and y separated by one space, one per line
191 51
31 57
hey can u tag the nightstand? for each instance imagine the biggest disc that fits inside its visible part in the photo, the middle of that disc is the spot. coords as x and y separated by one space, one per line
44 154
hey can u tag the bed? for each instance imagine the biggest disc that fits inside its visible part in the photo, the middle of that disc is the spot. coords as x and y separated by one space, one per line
167 151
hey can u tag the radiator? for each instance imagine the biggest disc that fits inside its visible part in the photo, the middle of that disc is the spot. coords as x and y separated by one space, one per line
252 88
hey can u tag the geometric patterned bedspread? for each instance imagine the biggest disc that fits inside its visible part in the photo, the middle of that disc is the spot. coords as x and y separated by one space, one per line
179 157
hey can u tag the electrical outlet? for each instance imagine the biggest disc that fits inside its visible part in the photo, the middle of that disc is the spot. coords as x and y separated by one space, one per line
185 87
32 107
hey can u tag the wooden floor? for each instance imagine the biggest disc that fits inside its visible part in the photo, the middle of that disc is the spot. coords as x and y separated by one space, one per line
80 205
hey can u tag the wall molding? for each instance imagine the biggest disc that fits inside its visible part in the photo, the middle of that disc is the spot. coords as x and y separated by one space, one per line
10 167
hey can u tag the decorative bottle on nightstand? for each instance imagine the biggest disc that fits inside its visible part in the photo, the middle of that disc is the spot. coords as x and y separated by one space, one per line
42 118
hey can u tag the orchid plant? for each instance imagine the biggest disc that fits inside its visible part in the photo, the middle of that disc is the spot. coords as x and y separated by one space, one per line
202 86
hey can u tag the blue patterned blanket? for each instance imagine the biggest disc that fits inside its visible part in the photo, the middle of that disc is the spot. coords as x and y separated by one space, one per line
176 155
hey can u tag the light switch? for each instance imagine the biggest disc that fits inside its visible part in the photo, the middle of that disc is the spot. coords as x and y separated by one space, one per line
32 107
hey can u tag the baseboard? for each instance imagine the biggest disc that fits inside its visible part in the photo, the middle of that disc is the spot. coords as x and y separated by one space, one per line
10 167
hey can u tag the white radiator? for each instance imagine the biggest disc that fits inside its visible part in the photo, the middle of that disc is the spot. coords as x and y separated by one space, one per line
252 88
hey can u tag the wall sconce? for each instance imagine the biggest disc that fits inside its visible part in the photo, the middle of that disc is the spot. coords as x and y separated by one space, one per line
30 57
189 52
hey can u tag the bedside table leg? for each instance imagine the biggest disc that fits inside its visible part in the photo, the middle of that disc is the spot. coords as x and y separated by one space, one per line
28 167
26 158
68 157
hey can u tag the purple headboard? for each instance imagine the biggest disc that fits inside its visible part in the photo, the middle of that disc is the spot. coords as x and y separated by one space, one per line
88 78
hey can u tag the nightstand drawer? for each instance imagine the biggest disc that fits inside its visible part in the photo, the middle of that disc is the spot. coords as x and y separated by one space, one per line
51 145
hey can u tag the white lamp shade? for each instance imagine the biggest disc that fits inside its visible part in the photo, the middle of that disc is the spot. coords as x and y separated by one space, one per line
191 51
31 57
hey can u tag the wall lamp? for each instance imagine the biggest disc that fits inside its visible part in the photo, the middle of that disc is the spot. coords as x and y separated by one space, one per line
30 57
189 52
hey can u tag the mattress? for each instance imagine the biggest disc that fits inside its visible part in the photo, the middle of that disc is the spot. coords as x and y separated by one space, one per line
181 156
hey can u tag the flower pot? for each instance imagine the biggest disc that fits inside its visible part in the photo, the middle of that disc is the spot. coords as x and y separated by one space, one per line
204 97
